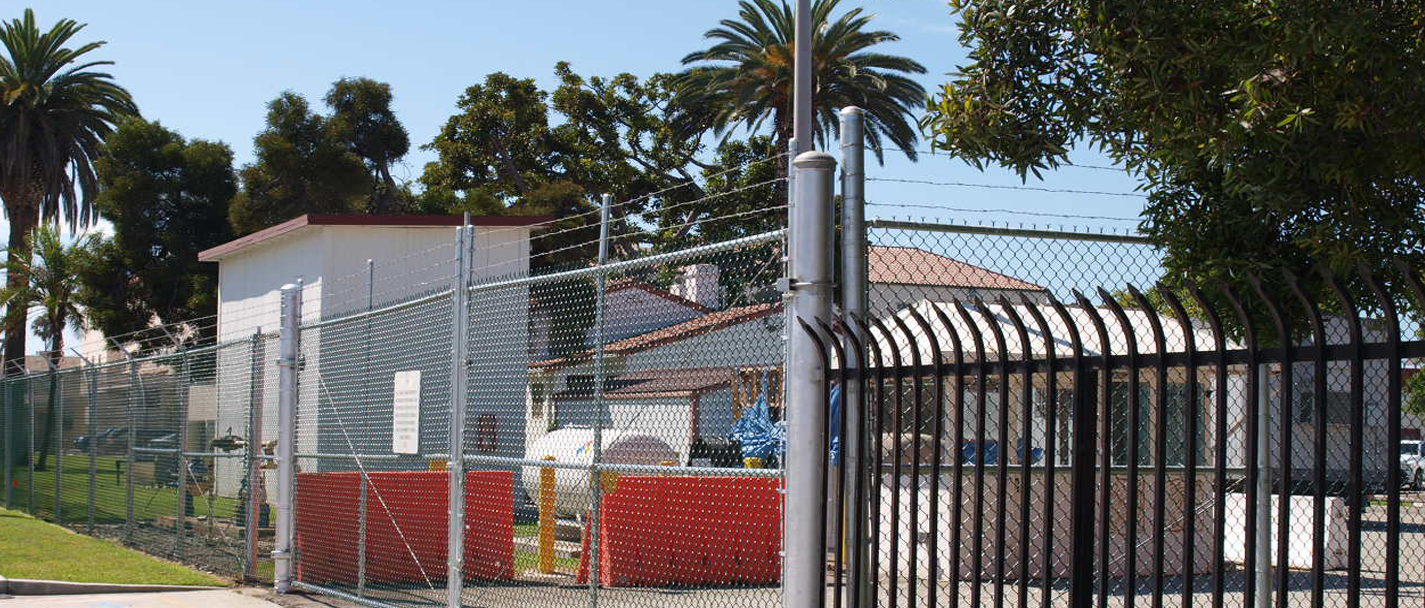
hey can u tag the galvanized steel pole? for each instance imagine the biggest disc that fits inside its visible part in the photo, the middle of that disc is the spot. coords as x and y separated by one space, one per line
56 404
254 451
1263 541
802 79
9 439
455 464
596 476
180 521
135 395
361 498
804 584
287 366
93 445
853 304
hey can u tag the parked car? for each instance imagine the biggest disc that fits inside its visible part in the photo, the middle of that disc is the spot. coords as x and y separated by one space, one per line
1412 463
107 438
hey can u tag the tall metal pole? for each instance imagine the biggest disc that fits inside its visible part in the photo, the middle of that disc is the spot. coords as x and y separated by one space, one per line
459 366
180 522
596 485
805 582
135 398
93 412
361 497
287 370
1263 542
802 79
9 439
254 450
56 404
853 303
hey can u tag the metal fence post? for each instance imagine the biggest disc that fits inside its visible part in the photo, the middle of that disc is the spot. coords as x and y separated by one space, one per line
853 304
30 446
180 521
287 365
596 486
362 498
455 467
1262 544
93 445
254 452
135 384
805 581
9 440
56 413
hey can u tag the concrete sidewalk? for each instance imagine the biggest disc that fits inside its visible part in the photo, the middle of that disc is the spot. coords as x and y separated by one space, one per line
208 598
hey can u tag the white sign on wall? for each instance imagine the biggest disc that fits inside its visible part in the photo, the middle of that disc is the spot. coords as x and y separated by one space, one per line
406 413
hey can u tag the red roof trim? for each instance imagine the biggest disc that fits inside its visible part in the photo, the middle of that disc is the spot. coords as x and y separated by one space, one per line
356 219
673 333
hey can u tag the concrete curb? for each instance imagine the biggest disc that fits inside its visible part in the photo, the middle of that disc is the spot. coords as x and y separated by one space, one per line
21 586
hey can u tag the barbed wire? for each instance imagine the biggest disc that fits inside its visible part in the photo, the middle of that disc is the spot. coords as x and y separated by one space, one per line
935 207
1065 164
900 180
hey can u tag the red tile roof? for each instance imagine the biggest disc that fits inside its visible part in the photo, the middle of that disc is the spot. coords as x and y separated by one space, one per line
911 266
673 333
632 283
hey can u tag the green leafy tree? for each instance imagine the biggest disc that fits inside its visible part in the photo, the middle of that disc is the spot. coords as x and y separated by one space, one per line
745 79
1414 400
300 168
362 118
515 148
1266 134
55 111
167 199
50 287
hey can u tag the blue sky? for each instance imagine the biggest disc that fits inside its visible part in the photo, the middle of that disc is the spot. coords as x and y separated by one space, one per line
206 69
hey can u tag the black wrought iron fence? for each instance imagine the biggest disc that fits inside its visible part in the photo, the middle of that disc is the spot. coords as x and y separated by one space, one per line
1212 446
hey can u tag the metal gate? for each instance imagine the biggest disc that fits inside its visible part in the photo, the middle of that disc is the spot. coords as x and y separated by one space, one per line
1222 446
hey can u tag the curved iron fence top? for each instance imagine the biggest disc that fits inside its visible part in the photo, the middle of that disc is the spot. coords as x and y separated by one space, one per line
1000 316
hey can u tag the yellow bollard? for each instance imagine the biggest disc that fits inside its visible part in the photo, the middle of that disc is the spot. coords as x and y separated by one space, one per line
546 518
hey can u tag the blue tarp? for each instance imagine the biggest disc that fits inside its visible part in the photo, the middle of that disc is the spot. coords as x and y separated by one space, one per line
762 438
759 436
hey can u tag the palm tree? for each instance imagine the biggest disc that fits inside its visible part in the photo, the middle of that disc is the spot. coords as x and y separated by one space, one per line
745 79
51 287
54 113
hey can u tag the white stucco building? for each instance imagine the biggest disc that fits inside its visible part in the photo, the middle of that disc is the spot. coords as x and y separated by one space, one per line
348 368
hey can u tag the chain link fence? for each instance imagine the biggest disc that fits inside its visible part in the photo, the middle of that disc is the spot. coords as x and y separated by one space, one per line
1183 452
152 451
600 403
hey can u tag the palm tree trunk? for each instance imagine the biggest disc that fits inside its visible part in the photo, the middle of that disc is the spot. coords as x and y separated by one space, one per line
23 215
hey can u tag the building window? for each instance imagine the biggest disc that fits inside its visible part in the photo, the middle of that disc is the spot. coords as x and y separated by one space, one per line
487 434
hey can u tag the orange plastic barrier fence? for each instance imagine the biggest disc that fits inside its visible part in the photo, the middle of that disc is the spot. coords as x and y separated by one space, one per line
406 526
689 531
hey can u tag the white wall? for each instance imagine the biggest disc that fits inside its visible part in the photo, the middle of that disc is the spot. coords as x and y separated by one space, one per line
409 261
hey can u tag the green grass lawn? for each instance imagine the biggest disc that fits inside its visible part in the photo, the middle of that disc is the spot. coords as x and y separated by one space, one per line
149 501
529 560
30 548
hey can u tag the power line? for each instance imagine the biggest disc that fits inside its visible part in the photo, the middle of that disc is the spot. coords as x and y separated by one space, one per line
1005 211
1003 187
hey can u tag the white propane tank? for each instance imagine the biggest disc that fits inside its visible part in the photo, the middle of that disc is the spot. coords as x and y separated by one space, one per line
576 446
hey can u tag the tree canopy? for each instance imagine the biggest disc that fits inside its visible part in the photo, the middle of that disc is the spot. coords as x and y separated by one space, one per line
745 79
514 148
1267 135
338 163
167 199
